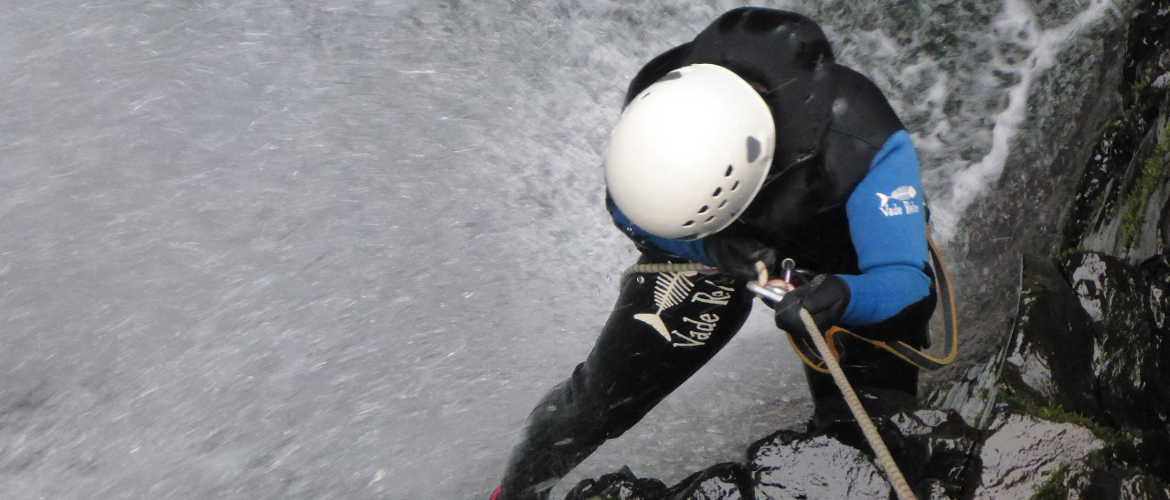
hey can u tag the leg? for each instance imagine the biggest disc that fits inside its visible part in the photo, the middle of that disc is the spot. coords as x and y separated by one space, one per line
872 370
663 328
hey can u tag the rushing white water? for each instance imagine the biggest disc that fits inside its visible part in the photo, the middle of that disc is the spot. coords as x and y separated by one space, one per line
1040 47
338 249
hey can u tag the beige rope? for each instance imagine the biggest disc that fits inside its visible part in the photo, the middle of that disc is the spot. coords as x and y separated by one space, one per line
670 267
885 460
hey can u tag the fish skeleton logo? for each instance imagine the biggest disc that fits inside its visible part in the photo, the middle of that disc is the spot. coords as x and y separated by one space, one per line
673 289
905 195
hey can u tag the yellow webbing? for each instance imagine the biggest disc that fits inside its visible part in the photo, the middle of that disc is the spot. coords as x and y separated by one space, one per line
900 349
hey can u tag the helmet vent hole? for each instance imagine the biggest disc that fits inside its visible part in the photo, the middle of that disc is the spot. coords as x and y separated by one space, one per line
717 191
730 169
723 204
647 94
753 149
735 186
703 210
673 75
709 219
689 223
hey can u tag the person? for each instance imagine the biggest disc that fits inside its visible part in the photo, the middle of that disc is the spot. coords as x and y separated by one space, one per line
747 144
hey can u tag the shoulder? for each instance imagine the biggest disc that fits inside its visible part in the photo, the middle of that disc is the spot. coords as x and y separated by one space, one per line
770 46
861 123
860 109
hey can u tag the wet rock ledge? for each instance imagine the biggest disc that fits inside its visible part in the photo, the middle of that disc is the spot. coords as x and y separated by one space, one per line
1075 401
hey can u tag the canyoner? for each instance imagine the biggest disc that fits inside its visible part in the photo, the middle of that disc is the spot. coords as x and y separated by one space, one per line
744 146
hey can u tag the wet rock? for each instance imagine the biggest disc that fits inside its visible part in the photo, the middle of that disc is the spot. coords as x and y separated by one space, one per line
1114 473
1164 225
1022 451
620 485
947 463
1124 190
934 449
973 394
722 482
727 481
791 465
1096 485
1129 356
1051 343
1121 212
1156 272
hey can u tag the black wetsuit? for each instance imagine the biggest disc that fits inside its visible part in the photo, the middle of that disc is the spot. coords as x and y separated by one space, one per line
830 123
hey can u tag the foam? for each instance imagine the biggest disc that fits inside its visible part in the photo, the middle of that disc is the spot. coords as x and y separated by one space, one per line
1018 24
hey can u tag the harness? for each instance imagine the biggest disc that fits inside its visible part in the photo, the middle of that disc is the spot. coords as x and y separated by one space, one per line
950 351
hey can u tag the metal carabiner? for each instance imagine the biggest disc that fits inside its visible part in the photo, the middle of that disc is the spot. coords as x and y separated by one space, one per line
775 290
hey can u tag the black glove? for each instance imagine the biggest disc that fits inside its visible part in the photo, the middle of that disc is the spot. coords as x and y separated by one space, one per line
737 255
825 298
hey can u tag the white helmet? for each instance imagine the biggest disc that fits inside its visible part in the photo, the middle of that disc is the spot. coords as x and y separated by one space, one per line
690 152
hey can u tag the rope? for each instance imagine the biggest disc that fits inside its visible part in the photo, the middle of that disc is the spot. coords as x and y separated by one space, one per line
885 460
670 267
829 360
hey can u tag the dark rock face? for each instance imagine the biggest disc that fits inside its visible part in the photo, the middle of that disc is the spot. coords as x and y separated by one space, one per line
1073 395
1123 194
1051 344
1156 272
1129 353
1122 470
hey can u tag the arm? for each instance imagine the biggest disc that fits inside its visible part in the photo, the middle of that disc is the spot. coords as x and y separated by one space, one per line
887 222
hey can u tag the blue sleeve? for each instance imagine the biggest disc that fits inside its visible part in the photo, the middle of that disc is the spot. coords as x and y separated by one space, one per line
887 222
692 250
